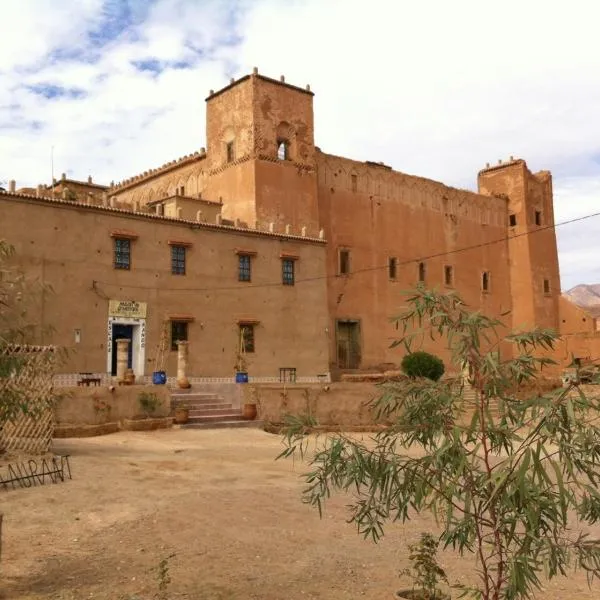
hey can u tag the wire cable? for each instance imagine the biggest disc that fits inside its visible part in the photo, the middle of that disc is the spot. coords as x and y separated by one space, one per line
424 258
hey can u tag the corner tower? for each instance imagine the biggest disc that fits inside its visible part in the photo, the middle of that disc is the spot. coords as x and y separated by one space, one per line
261 153
534 271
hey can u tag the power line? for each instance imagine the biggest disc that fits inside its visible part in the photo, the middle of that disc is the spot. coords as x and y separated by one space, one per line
507 238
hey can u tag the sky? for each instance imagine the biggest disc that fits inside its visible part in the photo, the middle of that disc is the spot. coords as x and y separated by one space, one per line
432 88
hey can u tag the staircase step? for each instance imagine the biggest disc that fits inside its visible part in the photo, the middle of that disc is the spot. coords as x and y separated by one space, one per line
196 399
222 424
208 412
209 406
228 416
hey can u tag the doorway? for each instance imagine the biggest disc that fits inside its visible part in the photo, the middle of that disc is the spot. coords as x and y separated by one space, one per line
348 344
119 332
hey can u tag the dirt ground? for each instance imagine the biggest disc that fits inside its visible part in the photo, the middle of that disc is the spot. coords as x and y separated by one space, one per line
218 500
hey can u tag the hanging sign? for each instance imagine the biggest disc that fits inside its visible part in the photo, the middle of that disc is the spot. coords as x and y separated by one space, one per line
129 309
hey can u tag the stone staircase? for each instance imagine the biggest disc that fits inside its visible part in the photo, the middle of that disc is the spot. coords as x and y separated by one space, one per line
209 410
469 398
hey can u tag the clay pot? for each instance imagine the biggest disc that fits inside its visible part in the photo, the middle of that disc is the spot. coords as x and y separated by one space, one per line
129 377
182 414
184 383
249 412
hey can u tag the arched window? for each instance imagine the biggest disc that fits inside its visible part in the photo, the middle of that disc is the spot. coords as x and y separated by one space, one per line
283 149
285 136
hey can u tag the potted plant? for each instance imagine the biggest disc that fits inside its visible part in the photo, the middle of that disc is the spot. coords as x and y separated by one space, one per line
241 373
425 571
249 408
159 375
182 414
241 367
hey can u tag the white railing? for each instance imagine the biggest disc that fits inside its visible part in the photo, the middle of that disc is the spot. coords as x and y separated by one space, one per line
72 379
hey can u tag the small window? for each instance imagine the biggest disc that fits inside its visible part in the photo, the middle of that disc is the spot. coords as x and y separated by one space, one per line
179 333
344 262
122 253
392 267
485 281
448 275
178 260
546 286
538 217
422 272
247 338
283 150
245 268
182 191
354 182
230 153
287 271
512 220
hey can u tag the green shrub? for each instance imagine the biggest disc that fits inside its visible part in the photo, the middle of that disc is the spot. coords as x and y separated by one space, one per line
423 364
149 402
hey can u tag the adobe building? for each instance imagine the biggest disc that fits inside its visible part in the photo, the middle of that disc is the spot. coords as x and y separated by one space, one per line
328 244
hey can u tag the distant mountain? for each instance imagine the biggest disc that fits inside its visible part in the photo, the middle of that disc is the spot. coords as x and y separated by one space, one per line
586 296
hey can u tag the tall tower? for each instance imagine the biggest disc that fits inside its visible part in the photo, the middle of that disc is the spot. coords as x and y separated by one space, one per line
534 272
261 153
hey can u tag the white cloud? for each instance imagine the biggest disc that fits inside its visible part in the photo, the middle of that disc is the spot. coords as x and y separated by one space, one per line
578 242
433 88
31 29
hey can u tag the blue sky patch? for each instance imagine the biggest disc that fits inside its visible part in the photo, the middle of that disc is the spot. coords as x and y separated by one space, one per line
118 17
155 66
50 91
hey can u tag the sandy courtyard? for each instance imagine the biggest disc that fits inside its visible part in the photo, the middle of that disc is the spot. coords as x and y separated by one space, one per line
222 504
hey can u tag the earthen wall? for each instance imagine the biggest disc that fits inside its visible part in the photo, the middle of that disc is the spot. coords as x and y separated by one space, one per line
532 247
378 214
290 321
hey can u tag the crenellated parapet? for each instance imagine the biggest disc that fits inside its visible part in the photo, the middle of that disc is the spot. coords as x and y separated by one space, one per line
380 181
158 172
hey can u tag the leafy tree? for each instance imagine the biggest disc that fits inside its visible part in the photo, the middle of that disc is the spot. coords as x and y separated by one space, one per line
423 364
18 298
511 482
